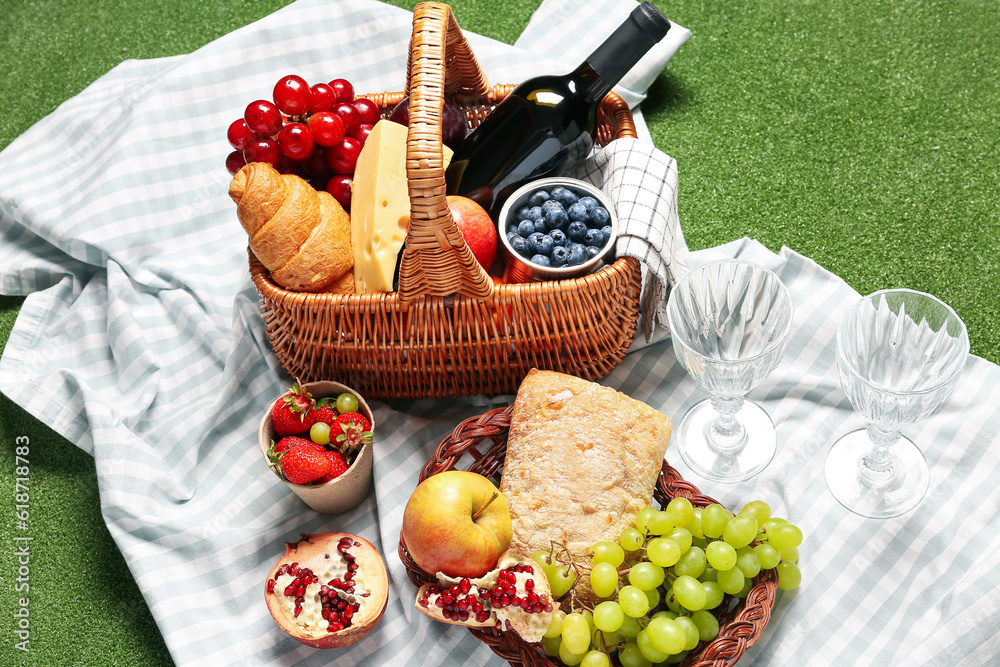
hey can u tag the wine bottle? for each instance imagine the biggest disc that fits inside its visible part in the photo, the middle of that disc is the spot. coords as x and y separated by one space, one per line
542 128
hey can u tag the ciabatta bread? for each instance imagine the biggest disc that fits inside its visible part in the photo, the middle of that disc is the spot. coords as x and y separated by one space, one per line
582 460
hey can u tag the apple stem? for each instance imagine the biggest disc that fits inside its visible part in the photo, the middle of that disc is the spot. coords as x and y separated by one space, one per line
487 504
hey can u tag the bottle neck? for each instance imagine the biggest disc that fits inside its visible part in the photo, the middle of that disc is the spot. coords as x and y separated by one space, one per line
619 53
589 84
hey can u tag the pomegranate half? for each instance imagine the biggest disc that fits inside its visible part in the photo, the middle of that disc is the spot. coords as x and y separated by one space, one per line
515 595
328 590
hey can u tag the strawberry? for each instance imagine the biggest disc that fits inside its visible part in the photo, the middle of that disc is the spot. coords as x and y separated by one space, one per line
326 413
354 430
293 412
290 441
338 466
305 463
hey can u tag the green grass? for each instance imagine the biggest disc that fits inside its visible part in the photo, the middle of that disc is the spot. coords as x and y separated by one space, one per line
861 134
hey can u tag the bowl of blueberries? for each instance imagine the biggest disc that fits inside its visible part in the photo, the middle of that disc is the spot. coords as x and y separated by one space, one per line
556 228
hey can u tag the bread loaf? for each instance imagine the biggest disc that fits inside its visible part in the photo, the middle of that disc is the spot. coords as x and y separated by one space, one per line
303 237
582 460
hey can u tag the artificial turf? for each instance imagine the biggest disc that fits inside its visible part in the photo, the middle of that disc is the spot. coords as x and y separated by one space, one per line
862 134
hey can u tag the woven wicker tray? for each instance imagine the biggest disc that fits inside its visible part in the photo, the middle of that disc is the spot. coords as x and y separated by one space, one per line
449 330
479 444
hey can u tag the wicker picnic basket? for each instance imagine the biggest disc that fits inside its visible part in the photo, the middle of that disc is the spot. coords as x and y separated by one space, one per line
479 444
449 330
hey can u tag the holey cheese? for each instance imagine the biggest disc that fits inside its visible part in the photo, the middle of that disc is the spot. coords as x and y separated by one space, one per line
380 206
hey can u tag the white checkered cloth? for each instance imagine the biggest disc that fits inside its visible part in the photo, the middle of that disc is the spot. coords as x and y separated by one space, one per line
641 181
141 341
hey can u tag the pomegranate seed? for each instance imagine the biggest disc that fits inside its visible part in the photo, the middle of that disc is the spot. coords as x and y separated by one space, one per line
439 603
270 585
335 627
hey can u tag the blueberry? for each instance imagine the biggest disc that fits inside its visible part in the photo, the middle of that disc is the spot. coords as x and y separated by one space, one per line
564 196
589 203
522 213
577 254
592 251
525 228
576 231
555 217
519 245
552 205
539 197
577 211
593 237
533 240
541 260
559 255
558 237
535 213
606 232
544 244
540 225
598 217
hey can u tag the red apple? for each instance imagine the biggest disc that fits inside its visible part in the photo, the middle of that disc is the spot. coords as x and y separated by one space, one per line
458 523
477 228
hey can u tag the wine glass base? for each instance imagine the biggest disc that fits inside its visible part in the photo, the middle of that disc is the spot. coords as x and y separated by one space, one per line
897 494
700 455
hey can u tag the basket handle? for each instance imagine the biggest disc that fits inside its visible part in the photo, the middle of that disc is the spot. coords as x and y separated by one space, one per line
436 260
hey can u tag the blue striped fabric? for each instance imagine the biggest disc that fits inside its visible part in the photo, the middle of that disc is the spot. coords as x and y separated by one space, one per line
141 341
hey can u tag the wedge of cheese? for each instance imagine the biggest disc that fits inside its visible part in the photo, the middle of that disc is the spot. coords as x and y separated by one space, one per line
380 206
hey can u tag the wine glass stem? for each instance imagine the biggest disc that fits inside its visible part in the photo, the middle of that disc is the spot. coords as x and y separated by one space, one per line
877 465
726 434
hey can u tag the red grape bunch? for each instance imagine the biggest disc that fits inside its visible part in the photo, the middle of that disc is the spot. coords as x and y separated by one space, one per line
314 131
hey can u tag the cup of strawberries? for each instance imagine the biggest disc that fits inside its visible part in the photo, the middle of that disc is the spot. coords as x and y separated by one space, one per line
317 438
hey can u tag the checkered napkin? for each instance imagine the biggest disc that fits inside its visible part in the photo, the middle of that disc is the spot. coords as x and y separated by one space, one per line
641 181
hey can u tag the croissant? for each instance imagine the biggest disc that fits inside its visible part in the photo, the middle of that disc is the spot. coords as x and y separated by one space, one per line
303 237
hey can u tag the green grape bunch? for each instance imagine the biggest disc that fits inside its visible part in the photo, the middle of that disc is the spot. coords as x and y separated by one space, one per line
666 581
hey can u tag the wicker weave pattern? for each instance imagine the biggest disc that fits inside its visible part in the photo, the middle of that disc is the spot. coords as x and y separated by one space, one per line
479 444
449 331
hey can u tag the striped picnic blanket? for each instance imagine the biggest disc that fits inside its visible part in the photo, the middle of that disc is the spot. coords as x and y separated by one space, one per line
141 341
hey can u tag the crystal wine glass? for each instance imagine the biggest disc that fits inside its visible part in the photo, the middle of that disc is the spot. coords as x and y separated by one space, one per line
900 355
729 322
